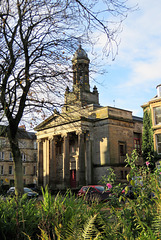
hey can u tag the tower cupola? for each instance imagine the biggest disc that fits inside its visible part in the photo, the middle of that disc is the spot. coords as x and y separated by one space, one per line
80 95
80 54
80 63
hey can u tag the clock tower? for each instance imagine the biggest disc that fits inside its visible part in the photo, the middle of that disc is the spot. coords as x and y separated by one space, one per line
81 94
80 67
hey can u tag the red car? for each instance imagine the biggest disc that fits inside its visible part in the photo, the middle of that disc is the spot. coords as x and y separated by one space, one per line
94 192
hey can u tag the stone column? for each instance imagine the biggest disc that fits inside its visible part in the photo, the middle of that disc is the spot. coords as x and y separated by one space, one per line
66 161
40 163
81 159
88 160
52 163
46 162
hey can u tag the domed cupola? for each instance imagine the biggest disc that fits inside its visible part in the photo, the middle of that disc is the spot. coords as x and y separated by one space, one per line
80 54
80 63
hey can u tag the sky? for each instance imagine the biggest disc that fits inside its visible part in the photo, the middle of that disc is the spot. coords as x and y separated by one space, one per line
132 78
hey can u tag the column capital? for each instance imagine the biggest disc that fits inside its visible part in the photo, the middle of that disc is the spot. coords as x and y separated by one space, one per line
51 138
41 140
65 134
79 132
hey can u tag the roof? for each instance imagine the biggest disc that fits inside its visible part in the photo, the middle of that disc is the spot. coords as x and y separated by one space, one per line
22 133
138 119
80 54
153 100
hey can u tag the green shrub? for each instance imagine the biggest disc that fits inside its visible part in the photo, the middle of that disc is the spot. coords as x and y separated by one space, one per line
17 217
66 217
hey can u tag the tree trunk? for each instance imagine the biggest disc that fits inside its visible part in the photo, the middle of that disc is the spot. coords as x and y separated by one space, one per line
18 173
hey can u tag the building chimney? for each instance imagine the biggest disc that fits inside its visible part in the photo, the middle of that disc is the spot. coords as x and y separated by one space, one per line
159 90
22 127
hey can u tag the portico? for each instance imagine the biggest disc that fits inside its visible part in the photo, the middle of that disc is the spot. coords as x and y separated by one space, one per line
63 159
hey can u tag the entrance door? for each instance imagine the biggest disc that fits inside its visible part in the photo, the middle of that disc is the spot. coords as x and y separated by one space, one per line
73 178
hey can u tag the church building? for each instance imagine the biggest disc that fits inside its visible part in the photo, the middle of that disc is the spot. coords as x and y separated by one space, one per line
77 146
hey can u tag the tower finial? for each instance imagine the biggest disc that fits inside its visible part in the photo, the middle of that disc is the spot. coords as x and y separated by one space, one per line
79 41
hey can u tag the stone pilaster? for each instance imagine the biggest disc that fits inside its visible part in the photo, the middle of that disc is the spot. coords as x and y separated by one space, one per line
81 159
52 163
66 161
88 160
40 163
46 162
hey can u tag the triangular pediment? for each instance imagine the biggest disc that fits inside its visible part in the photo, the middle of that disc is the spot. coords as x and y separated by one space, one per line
57 120
78 114
45 123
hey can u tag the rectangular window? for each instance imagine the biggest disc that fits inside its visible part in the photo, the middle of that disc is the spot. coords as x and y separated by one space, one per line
1 156
1 170
137 145
157 115
23 157
2 142
35 157
10 158
10 170
34 170
158 143
24 170
122 151
35 145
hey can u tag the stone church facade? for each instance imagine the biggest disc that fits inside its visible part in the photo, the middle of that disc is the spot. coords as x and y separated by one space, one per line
77 146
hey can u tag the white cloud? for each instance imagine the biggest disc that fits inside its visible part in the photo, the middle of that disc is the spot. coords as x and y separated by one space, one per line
133 76
141 36
140 49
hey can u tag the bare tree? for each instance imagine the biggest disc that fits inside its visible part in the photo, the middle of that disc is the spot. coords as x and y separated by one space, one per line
36 39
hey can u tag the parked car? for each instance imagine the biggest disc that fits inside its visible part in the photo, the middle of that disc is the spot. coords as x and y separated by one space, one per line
94 193
30 193
131 192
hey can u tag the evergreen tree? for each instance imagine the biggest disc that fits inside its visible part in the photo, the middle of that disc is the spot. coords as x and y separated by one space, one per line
147 139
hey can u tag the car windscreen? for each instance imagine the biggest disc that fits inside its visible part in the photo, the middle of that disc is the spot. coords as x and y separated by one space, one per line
27 190
100 188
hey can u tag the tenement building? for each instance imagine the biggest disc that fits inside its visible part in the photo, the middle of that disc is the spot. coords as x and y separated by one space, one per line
28 148
78 145
154 106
